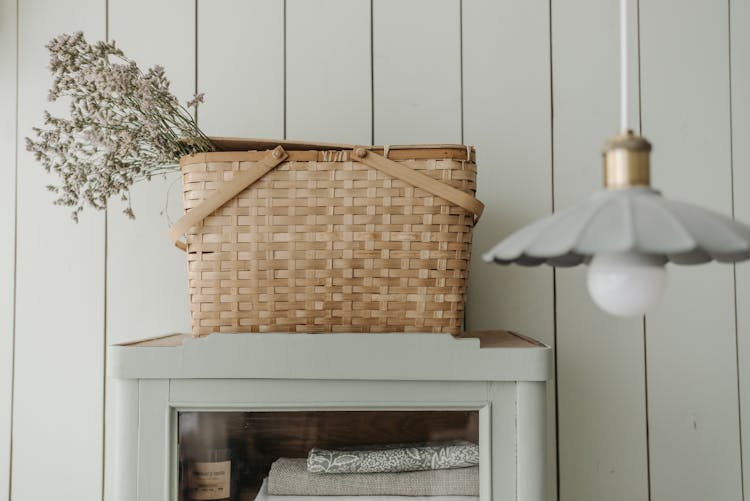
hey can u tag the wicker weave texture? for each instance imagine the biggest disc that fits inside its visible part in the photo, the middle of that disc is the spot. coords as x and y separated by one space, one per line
329 245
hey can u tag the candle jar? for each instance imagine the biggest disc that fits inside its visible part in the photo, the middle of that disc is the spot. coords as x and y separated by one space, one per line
209 476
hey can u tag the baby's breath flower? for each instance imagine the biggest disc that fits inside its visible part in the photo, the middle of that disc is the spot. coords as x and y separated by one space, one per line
197 98
124 126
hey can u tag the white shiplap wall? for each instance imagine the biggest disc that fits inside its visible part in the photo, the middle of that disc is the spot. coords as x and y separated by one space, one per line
8 89
641 409
739 30
58 392
693 404
325 77
600 371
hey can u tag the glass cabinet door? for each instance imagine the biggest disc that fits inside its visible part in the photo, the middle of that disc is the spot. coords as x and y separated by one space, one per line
259 455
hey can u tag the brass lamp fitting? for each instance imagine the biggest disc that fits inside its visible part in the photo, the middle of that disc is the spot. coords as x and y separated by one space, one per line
626 161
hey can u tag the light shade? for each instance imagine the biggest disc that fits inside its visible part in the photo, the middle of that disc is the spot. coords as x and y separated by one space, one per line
635 219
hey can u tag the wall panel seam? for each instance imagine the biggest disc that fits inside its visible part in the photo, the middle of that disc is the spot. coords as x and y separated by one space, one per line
284 22
372 73
646 407
104 315
731 120
461 66
554 271
461 96
15 261
734 265
644 325
104 360
739 381
195 58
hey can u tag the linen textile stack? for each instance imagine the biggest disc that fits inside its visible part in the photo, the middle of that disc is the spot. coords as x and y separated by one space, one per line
446 471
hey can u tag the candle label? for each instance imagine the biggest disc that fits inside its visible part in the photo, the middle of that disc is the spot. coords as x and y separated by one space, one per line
208 481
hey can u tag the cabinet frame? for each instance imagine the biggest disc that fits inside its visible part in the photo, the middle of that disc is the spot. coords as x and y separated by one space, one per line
511 412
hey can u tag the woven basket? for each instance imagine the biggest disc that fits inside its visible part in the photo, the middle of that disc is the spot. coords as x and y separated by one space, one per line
299 237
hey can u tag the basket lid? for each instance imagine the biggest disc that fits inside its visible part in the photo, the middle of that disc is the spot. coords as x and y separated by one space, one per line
244 144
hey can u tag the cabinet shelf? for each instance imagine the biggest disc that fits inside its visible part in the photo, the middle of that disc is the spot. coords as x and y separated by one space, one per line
256 439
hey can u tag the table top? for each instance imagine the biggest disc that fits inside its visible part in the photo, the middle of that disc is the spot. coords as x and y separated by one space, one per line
475 356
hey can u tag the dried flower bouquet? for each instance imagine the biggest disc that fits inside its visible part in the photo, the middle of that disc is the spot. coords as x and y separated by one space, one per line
124 125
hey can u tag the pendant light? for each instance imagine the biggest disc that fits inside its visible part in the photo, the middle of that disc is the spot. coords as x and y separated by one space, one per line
627 232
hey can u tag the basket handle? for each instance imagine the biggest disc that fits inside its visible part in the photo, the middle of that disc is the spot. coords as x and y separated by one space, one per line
419 180
224 193
228 190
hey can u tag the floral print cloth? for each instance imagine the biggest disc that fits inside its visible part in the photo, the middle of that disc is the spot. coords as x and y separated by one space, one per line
289 477
394 458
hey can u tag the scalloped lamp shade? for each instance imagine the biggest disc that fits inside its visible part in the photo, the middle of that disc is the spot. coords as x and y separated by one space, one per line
626 233
634 219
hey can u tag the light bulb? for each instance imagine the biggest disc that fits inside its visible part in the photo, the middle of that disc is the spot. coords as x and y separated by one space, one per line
626 284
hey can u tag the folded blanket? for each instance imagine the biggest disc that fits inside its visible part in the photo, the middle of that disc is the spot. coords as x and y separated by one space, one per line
290 477
263 495
394 458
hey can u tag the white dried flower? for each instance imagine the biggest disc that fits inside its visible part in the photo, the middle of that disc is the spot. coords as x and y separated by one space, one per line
197 98
124 125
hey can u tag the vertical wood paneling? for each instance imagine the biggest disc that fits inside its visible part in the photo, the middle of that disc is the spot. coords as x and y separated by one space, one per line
693 404
8 88
146 275
600 372
508 117
414 94
241 67
58 401
417 71
692 382
328 83
740 127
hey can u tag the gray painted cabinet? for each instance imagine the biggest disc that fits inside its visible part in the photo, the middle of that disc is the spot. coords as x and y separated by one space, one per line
501 375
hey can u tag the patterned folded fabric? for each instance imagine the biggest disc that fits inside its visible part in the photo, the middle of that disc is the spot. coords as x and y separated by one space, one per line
289 477
394 458
263 495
